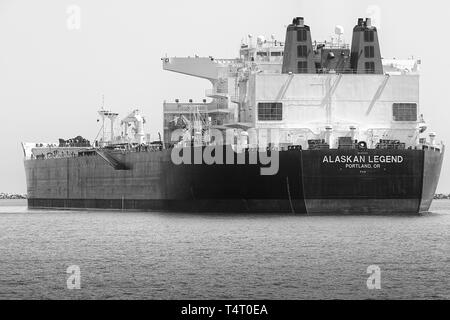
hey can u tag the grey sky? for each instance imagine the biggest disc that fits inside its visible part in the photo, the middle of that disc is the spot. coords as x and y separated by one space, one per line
52 78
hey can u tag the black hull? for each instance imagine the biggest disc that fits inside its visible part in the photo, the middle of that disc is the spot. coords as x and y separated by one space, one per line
307 182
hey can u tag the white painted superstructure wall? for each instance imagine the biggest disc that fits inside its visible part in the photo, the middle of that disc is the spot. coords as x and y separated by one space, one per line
312 102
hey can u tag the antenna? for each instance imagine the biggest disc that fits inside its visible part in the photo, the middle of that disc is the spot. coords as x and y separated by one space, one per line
103 117
105 114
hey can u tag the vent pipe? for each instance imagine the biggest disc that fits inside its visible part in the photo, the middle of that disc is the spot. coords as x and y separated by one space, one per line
432 136
352 132
328 134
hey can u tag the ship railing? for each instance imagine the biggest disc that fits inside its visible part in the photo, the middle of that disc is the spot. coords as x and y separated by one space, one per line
144 148
50 155
94 152
332 45
226 61
186 107
253 148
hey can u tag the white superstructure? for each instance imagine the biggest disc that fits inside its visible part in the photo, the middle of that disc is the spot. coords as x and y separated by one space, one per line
335 101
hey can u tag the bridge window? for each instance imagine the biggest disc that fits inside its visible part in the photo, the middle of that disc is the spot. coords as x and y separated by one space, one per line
369 51
405 111
369 36
270 111
302 67
301 35
302 51
370 67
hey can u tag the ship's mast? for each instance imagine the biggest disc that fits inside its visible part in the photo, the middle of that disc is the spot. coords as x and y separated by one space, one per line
103 118
106 114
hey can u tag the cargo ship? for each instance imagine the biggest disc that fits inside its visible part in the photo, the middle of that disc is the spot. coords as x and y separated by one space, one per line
294 126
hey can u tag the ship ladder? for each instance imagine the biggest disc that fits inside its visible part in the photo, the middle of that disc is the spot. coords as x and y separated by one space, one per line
113 162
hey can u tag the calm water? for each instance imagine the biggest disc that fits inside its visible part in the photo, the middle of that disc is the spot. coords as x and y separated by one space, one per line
178 256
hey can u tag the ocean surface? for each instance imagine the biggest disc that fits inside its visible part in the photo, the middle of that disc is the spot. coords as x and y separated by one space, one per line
134 255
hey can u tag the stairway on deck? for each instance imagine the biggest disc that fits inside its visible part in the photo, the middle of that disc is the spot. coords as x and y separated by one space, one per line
113 162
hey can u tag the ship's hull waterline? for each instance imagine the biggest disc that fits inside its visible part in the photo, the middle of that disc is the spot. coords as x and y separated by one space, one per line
307 182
